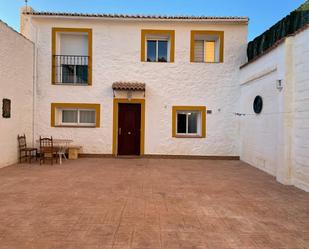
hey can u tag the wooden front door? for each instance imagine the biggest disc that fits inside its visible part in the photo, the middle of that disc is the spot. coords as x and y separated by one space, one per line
129 129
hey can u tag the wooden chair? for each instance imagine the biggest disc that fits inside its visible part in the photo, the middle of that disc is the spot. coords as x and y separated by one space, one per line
47 150
25 152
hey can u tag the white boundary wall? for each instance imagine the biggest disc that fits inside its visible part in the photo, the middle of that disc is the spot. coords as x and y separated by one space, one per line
16 84
277 140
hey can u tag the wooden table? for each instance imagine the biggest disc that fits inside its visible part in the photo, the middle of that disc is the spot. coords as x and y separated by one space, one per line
61 145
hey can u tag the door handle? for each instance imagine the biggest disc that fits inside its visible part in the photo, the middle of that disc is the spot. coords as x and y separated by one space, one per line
119 131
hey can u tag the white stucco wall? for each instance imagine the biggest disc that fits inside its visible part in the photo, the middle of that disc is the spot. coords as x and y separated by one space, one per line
300 156
276 140
116 57
16 83
259 133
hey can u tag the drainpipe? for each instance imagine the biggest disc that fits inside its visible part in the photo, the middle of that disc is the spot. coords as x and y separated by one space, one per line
33 91
34 85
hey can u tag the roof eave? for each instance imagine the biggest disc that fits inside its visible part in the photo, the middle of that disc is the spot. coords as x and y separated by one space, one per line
242 20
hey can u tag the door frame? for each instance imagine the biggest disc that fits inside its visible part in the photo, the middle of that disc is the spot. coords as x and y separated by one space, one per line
116 103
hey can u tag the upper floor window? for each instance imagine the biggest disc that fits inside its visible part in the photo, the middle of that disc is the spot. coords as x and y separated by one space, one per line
207 46
158 45
157 50
72 56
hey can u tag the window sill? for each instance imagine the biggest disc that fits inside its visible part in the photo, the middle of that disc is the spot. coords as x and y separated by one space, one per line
72 84
204 62
74 126
159 62
188 136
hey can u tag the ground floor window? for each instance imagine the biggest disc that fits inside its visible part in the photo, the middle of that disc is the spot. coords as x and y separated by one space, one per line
189 121
75 115
82 117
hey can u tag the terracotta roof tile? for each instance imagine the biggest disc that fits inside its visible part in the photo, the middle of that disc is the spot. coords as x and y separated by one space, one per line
127 16
129 86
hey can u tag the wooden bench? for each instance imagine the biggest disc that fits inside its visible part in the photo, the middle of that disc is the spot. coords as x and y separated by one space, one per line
73 152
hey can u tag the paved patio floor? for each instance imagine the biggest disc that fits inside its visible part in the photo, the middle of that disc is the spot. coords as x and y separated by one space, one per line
149 203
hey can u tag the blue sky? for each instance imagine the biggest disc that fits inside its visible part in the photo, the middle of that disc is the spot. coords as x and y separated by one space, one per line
262 13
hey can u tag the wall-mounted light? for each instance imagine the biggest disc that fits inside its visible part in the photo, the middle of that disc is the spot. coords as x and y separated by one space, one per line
129 95
279 84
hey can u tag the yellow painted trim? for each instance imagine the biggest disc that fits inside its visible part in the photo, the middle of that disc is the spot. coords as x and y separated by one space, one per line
115 122
54 49
207 32
202 109
54 106
170 33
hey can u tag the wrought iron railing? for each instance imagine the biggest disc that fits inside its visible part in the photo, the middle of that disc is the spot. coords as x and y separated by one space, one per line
70 69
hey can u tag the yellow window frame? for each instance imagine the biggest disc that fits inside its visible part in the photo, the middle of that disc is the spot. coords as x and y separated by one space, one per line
220 34
201 109
149 32
55 106
56 30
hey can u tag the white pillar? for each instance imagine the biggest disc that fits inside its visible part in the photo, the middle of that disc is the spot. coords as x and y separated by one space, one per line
285 167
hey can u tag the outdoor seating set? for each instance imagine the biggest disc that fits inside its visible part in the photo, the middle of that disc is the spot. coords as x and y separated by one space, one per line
49 150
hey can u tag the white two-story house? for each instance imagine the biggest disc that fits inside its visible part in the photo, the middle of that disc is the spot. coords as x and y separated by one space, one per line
138 85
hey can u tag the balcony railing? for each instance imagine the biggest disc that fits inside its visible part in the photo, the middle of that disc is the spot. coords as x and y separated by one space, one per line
71 69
